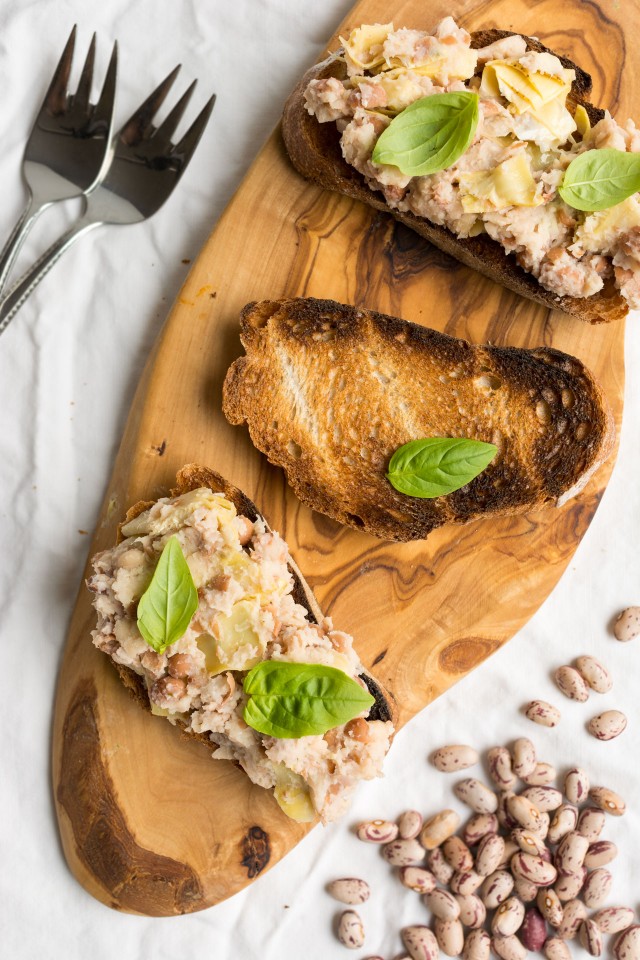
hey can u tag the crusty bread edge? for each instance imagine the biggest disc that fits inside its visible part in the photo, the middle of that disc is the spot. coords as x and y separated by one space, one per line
315 153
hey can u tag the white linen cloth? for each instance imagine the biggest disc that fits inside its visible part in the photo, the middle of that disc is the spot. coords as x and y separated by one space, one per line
68 369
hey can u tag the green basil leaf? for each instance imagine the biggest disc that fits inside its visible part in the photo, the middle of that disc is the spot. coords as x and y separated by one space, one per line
166 607
430 134
438 465
599 179
291 700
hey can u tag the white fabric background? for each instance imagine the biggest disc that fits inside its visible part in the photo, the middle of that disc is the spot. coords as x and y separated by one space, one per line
68 369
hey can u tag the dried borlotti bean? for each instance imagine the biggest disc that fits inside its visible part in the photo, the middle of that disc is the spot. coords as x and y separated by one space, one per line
569 682
574 913
450 936
533 932
550 907
439 866
523 757
607 800
590 937
409 824
508 948
478 826
524 812
438 828
569 885
349 890
600 853
627 946
489 855
496 889
477 946
500 769
466 882
534 869
627 626
565 820
607 725
403 853
351 930
543 774
377 831
420 942
457 854
613 919
596 888
505 819
473 912
529 843
556 949
525 890
442 904
544 798
595 673
508 918
591 823
510 847
539 711
576 785
476 795
453 758
418 879
571 852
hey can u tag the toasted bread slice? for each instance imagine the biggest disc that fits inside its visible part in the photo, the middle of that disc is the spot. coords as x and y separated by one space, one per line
314 149
329 392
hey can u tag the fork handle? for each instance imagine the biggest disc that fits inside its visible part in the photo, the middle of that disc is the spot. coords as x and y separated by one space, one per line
11 303
18 235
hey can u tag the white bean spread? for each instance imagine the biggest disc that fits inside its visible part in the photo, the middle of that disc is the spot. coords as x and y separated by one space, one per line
246 614
506 183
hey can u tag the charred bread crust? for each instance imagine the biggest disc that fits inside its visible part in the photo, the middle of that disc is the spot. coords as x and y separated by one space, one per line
191 477
314 150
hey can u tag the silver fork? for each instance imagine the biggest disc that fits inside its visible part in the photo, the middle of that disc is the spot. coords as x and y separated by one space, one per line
67 146
145 168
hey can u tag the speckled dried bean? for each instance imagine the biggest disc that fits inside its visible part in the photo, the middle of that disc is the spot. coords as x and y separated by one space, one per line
576 785
349 890
600 853
496 889
526 891
420 942
571 852
607 725
590 937
351 930
438 828
613 919
627 625
539 711
477 946
607 800
403 853
500 769
510 847
455 757
591 823
550 907
473 912
465 883
534 869
528 842
556 949
442 904
377 831
524 812
523 757
457 854
505 819
595 673
450 937
490 854
476 795
439 866
543 774
569 885
418 879
534 930
478 826
627 946
544 798
508 918
508 948
574 913
596 888
569 682
409 824
564 821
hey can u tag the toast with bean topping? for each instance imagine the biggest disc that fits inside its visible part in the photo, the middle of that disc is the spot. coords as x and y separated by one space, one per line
329 392
318 154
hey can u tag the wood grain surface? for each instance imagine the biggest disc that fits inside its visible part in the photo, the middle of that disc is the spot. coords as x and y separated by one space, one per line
149 823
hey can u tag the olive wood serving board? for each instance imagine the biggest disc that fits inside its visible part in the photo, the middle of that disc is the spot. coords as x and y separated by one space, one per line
149 823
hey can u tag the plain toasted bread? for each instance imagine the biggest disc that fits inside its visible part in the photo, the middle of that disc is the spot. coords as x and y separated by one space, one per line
329 392
192 477
314 149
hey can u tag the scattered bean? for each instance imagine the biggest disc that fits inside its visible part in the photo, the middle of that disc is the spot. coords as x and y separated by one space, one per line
466 883
590 937
544 798
477 946
607 725
524 812
453 758
564 821
525 890
607 800
478 826
571 684
627 946
550 906
490 854
403 853
508 948
600 853
543 774
351 930
457 854
534 869
496 889
505 819
534 930
523 757
418 879
510 847
500 769
450 936
473 912
571 853
409 824
574 913
438 828
591 823
539 711
556 949
627 626
595 674
377 831
576 785
613 919
508 918
529 843
596 888
442 904
439 866
569 885
420 942
349 890
476 795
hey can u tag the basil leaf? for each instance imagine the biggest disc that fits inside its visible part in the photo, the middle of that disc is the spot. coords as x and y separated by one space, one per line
599 179
430 134
166 607
288 700
438 465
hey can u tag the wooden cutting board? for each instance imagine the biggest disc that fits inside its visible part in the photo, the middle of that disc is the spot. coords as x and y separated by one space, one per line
149 823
